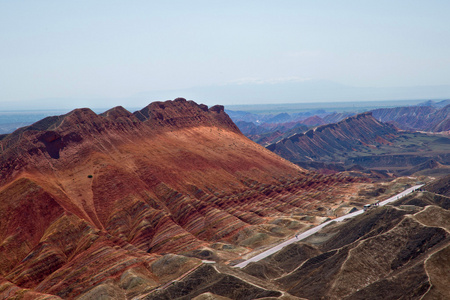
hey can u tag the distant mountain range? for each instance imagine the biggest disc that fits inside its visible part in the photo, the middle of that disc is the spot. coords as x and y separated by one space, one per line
362 142
281 90
437 104
422 118
295 91
331 141
269 128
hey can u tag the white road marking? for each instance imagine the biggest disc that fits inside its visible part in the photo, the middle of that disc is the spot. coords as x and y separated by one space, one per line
317 228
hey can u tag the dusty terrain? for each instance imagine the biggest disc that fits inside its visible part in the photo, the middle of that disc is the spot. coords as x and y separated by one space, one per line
91 205
391 252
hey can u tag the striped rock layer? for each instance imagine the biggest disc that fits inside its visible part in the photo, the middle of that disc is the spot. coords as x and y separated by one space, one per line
87 198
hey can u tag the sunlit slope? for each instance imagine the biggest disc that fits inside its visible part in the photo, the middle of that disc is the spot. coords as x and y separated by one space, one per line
87 197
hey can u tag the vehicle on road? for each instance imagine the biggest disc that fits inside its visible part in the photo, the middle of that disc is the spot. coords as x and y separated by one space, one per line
367 207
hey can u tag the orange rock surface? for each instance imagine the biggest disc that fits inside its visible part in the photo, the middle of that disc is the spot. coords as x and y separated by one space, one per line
85 197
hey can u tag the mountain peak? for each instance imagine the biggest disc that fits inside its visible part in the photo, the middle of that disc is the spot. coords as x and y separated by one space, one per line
82 128
116 112
180 113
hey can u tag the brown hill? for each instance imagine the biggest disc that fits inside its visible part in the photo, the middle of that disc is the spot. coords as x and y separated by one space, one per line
89 202
368 144
428 166
266 134
424 118
269 133
391 252
313 121
328 142
440 186
336 117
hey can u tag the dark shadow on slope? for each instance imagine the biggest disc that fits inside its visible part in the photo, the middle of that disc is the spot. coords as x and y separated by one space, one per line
314 278
441 186
207 279
422 199
371 223
282 262
410 284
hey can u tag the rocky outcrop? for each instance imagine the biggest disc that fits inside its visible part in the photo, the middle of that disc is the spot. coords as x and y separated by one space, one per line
180 113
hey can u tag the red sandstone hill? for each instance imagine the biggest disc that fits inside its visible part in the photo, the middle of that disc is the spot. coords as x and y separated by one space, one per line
92 201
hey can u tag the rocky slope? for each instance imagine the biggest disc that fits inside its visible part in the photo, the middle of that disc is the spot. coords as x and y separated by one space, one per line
392 252
89 204
362 144
266 134
424 118
329 141
440 186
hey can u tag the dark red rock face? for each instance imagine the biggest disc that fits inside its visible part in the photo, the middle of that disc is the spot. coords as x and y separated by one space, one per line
85 197
180 113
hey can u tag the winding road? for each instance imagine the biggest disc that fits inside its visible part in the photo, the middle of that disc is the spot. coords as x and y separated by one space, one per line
317 228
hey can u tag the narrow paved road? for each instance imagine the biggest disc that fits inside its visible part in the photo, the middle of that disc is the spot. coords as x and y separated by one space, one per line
317 228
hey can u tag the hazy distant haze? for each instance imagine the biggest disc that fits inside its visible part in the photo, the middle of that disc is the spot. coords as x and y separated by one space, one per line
60 54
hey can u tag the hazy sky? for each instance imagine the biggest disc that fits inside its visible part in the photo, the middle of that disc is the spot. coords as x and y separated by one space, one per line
83 51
